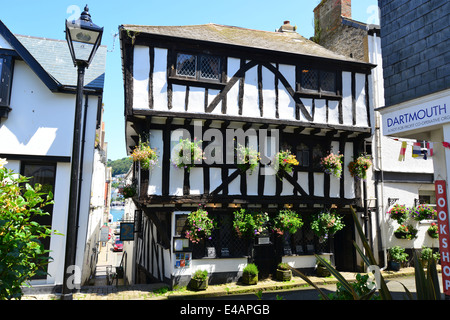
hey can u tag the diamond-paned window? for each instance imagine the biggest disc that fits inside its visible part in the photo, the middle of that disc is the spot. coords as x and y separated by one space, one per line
198 67
328 81
209 67
186 65
315 80
310 79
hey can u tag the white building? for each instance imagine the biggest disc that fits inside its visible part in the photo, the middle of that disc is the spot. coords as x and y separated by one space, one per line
37 107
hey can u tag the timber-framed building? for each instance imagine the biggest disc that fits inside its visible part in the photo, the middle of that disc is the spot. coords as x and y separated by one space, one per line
209 80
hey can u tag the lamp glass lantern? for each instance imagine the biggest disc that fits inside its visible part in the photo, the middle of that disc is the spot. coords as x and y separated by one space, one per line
83 38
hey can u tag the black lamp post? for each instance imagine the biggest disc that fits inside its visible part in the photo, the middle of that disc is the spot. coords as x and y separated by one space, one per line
83 38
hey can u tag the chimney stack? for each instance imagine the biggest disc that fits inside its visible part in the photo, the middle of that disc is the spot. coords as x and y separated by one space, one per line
287 27
328 13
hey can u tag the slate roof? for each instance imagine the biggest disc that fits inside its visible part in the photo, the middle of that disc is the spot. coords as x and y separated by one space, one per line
54 57
290 42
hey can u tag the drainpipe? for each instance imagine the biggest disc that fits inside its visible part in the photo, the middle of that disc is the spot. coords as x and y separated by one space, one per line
379 179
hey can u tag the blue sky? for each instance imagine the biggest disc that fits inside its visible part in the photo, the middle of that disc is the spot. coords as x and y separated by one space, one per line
46 18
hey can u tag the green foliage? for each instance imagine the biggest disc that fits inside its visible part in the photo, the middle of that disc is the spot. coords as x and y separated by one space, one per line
287 220
199 225
283 266
361 287
200 275
22 254
398 254
120 166
326 224
249 224
427 254
251 269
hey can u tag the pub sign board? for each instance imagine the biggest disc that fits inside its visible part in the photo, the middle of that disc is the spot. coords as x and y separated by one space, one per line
126 231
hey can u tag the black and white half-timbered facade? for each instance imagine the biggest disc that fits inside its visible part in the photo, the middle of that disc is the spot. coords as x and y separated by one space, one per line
215 83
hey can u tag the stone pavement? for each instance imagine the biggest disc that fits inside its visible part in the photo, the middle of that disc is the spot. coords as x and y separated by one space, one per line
160 291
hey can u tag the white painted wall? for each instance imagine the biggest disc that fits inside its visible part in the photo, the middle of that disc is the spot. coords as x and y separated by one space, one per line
41 123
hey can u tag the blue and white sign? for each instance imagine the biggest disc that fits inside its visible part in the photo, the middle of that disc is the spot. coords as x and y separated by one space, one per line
416 116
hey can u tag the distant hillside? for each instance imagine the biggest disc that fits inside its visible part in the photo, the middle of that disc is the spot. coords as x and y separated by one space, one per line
120 166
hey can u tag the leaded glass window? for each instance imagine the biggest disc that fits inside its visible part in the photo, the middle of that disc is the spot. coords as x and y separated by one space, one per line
198 67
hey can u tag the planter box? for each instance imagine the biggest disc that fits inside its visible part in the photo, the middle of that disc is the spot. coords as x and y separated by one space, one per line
249 278
394 265
283 275
321 271
197 285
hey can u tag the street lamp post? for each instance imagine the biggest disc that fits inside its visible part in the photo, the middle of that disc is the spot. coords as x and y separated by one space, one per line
83 38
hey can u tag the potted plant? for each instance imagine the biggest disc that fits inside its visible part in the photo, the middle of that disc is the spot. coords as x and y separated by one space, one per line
249 224
325 224
247 158
284 272
198 225
199 280
321 270
433 231
399 213
187 154
332 164
287 220
128 191
145 155
426 254
284 160
250 274
422 212
359 167
407 232
397 257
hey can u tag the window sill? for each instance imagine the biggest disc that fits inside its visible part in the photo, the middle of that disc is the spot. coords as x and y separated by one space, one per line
197 83
318 95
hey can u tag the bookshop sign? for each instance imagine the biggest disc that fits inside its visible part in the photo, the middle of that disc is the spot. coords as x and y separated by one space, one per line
416 116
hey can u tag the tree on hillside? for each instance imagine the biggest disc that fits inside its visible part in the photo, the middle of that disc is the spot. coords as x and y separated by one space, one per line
120 166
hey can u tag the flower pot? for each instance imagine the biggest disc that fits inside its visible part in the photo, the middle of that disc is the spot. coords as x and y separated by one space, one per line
394 265
322 271
283 275
197 285
248 278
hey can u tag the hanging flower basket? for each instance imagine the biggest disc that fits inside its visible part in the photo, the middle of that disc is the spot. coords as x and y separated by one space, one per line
407 232
145 155
422 212
198 226
326 224
247 158
249 224
188 154
284 160
433 231
332 164
128 191
359 167
287 220
399 213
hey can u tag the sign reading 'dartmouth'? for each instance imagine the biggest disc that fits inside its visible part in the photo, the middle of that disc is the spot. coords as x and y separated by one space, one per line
417 116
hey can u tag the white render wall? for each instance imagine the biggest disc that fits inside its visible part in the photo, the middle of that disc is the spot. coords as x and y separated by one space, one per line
41 124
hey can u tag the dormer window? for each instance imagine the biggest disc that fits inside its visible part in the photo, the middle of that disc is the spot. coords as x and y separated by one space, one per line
198 67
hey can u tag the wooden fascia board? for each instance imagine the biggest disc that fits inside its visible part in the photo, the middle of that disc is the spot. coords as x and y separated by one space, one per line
221 117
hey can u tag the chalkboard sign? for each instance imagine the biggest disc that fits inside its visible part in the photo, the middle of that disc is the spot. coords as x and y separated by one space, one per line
224 252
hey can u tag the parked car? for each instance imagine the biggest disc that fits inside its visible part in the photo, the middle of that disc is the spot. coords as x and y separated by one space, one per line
118 246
